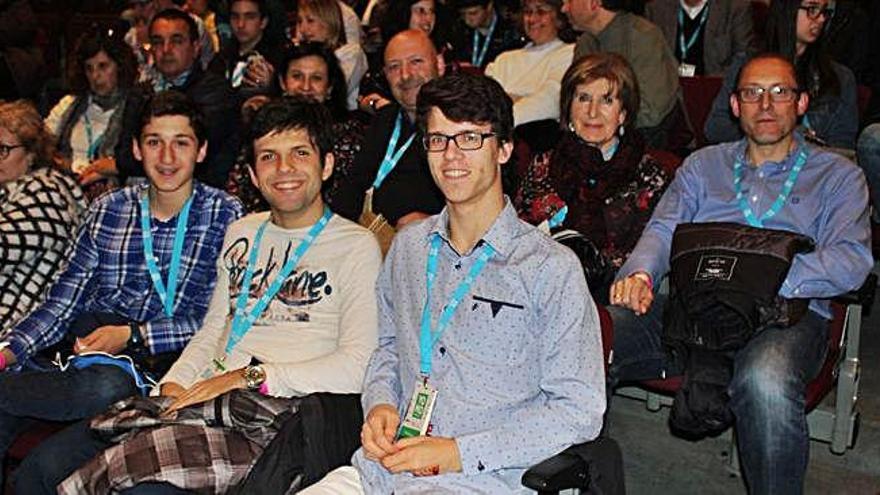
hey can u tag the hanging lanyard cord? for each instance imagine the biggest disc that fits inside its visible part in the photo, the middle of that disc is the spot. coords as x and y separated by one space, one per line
777 205
684 46
166 291
478 53
392 156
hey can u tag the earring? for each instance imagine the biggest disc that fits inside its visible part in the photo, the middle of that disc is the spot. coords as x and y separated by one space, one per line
621 131
571 127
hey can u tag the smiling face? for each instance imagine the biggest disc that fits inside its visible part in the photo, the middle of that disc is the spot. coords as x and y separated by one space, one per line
541 21
410 62
596 112
422 16
467 178
307 76
310 27
764 122
102 73
17 162
169 150
287 170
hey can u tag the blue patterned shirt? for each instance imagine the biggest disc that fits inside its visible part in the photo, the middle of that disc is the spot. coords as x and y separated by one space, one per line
107 272
829 203
519 369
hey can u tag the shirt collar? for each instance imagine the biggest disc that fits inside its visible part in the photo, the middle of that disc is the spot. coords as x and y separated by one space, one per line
501 235
693 12
784 164
163 83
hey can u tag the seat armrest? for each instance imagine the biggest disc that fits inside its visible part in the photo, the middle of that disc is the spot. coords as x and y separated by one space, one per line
563 471
864 295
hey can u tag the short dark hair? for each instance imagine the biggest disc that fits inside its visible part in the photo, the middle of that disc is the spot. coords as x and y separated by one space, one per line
261 6
95 41
335 76
178 15
468 98
289 113
170 103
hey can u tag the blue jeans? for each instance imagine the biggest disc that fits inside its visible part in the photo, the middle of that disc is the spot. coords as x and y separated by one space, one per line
868 149
57 396
767 391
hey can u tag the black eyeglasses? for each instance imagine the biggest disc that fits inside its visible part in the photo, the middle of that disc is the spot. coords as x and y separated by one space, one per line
5 149
778 94
814 11
466 141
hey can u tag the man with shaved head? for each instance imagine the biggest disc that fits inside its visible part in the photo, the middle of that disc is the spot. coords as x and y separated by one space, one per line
391 163
771 179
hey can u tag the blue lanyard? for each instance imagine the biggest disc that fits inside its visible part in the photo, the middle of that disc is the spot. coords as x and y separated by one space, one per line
685 46
243 319
478 55
427 337
166 294
558 217
783 194
92 151
392 156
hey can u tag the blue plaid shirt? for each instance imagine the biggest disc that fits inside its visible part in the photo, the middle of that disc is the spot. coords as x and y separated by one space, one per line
108 273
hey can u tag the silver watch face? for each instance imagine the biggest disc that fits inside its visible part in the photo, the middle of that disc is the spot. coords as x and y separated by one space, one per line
254 376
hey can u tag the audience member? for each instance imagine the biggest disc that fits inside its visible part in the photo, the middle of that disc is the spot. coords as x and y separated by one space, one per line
218 31
88 123
607 28
321 21
599 170
482 33
531 75
280 332
169 232
529 319
251 60
795 29
390 176
40 208
312 71
174 44
813 192
705 35
22 67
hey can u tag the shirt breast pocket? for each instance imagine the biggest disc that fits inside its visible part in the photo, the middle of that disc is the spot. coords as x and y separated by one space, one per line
496 332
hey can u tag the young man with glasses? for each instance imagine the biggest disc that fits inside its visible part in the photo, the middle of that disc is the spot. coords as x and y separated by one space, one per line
826 200
488 337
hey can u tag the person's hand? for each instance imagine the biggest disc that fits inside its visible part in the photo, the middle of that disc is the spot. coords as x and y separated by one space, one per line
98 170
378 432
259 73
633 292
411 217
425 456
109 338
208 389
171 389
372 102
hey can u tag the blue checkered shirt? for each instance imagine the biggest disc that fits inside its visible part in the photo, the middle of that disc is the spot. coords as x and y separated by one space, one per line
107 272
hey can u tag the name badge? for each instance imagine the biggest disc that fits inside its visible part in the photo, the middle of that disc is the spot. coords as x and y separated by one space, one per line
417 419
687 70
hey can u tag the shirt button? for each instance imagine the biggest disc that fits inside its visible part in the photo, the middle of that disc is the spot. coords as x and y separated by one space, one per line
480 466
458 266
761 174
442 351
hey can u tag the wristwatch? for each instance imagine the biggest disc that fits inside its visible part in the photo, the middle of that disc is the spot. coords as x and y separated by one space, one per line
254 376
136 340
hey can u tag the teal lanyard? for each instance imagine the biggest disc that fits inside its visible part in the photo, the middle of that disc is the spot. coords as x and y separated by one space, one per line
166 293
427 337
243 319
783 194
685 46
92 151
558 217
392 156
478 54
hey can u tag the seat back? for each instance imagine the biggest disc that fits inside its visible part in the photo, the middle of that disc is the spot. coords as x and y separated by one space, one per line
699 92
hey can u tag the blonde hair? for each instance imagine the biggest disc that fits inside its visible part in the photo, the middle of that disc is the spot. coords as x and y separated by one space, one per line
329 13
22 119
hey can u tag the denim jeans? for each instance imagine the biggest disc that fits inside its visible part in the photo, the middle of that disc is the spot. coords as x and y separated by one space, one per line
57 396
767 391
868 149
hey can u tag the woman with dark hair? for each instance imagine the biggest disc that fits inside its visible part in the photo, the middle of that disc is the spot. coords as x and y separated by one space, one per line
795 30
599 180
40 208
88 122
311 70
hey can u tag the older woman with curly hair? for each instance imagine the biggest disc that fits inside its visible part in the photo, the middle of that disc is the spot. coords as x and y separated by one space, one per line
600 171
88 122
40 208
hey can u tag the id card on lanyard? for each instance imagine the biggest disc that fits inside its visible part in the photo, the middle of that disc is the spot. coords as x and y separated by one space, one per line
165 289
417 419
244 319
